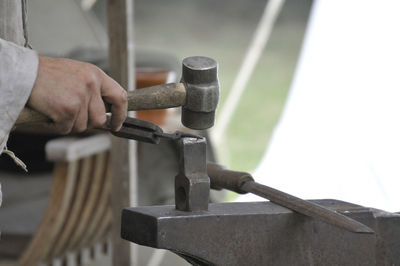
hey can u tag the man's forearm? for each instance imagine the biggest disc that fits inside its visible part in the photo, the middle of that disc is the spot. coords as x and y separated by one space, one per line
18 71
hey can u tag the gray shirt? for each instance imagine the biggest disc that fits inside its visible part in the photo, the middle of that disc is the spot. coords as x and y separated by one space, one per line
18 70
18 66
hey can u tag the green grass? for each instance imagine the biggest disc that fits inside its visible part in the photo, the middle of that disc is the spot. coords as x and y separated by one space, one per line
261 104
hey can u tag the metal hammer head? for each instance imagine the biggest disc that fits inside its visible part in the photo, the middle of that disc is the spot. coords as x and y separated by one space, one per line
200 76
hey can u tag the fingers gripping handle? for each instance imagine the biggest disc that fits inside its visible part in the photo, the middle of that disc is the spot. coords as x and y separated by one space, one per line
155 97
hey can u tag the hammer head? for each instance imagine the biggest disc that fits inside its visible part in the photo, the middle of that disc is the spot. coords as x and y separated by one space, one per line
200 76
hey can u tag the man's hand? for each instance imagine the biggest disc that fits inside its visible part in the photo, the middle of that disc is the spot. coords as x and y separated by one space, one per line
72 94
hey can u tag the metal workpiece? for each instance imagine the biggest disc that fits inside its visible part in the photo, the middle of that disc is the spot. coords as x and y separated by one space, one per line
242 182
307 208
264 233
192 184
200 76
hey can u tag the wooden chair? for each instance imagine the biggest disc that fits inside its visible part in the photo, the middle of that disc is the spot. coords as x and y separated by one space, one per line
76 223
75 228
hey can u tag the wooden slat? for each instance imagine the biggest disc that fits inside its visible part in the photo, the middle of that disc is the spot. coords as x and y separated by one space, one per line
71 259
100 211
120 32
92 202
60 245
72 149
104 226
58 207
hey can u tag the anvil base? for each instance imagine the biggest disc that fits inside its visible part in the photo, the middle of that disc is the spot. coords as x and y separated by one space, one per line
263 233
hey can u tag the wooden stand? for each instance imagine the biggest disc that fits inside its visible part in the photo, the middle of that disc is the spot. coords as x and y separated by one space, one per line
123 159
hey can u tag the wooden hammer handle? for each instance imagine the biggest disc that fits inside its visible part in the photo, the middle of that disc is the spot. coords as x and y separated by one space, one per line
155 97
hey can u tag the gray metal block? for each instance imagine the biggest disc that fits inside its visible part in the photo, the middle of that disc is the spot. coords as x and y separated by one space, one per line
263 233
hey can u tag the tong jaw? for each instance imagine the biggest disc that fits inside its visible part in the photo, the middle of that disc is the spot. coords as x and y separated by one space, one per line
145 131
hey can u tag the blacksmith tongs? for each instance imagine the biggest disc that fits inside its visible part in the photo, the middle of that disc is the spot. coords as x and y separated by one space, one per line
145 131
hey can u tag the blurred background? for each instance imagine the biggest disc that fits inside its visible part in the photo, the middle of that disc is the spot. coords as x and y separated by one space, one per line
221 29
165 32
327 130
224 30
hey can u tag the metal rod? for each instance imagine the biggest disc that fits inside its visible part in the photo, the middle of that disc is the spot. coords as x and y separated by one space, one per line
305 207
242 182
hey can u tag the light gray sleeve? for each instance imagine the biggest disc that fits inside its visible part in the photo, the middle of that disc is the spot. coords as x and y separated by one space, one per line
18 71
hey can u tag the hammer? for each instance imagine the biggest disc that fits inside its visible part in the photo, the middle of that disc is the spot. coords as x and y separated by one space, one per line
197 93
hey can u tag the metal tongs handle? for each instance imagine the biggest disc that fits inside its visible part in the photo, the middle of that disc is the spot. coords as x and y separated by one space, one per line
145 131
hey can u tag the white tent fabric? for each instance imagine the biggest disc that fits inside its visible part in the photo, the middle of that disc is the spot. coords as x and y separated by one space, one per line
339 134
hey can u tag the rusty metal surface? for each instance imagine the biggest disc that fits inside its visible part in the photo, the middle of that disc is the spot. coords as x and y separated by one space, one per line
242 182
200 76
306 207
263 233
192 185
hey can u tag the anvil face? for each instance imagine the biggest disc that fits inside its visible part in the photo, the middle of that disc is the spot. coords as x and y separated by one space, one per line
263 233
